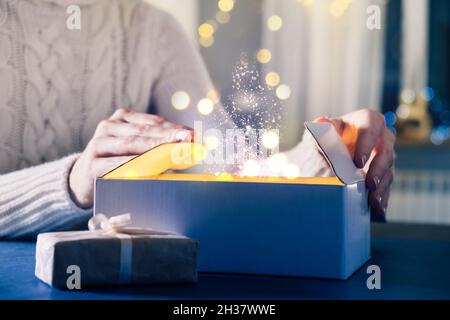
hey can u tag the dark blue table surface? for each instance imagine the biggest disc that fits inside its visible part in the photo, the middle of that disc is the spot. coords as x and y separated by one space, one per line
414 262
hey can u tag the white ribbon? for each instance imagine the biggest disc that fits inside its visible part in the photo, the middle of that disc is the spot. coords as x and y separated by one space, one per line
114 224
117 226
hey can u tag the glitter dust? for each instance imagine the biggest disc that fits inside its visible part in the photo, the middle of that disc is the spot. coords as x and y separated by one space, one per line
254 108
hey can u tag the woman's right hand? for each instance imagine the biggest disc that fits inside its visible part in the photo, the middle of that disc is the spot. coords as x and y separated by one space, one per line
116 140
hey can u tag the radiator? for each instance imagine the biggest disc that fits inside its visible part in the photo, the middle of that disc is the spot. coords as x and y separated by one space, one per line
421 196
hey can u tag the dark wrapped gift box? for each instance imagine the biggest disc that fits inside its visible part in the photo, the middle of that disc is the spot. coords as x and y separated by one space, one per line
114 258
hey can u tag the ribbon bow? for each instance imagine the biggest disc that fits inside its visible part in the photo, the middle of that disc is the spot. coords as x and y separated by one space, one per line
117 226
114 224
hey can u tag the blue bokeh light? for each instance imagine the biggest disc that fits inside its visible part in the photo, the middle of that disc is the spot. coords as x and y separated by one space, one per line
428 93
390 118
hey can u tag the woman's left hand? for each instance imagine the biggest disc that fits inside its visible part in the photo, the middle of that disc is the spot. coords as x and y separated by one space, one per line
371 143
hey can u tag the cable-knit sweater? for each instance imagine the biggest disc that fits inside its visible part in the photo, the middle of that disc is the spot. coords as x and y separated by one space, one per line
56 84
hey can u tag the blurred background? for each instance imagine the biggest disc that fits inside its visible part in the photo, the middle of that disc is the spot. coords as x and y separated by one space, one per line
329 57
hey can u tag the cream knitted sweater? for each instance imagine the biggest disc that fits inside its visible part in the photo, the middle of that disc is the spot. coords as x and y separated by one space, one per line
56 84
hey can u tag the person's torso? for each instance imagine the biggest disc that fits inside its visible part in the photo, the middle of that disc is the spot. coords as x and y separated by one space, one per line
56 84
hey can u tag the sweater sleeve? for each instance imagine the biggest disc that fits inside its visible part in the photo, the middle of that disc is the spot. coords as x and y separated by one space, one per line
37 199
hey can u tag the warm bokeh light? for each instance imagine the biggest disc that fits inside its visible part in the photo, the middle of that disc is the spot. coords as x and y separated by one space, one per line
251 168
225 5
206 30
291 171
222 17
274 23
272 79
180 100
277 163
214 95
263 55
307 3
206 42
270 139
338 7
283 92
403 111
205 106
408 96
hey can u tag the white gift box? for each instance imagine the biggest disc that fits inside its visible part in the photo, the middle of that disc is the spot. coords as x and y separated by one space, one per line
311 227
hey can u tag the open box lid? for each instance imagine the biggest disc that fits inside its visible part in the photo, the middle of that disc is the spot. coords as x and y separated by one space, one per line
161 158
335 152
156 161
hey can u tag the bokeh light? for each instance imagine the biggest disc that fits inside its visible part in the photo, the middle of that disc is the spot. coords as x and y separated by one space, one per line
206 42
283 92
277 163
427 93
390 118
307 3
225 5
408 96
270 139
263 55
403 111
440 134
291 171
338 7
180 100
205 106
272 79
214 95
251 168
274 23
206 30
222 17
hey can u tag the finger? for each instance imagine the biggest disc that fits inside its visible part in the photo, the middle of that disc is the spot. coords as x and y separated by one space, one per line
383 160
127 115
113 146
385 200
113 128
367 138
377 198
378 215
143 118
101 166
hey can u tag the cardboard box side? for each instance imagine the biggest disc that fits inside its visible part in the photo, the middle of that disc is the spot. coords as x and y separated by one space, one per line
253 228
44 267
357 228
